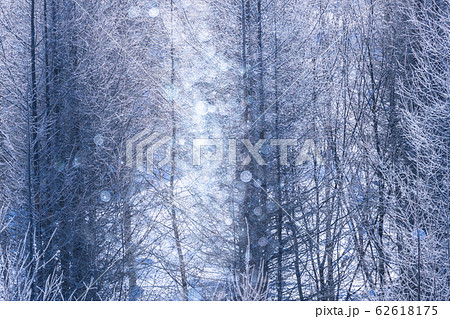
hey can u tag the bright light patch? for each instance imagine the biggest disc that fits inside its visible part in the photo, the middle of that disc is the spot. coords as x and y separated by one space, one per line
212 109
201 108
204 36
134 12
210 51
153 12
223 66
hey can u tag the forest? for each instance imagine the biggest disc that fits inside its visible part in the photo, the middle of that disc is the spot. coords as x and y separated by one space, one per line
228 150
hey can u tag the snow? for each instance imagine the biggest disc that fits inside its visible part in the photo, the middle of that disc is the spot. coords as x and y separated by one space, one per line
246 176
105 196
201 108
99 140
134 12
263 241
153 12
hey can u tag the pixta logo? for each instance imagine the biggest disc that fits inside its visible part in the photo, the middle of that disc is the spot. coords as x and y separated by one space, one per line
145 144
143 147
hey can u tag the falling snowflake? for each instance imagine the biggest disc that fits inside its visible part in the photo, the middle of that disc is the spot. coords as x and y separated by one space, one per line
153 12
258 211
228 221
266 149
212 108
204 36
105 196
60 166
241 186
257 183
171 93
134 12
223 66
210 51
246 176
263 241
99 140
201 108
76 162
186 3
